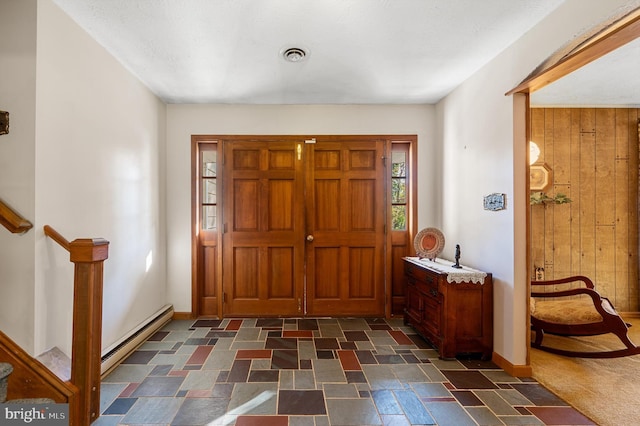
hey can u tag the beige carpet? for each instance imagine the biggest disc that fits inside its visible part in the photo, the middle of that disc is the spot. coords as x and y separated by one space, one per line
605 390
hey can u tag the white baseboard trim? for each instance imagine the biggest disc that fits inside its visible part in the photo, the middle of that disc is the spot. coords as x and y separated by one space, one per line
116 353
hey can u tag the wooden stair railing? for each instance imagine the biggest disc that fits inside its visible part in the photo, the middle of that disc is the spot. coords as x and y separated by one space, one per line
88 255
11 220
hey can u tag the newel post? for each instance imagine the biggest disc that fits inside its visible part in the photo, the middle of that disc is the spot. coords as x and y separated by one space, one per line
88 255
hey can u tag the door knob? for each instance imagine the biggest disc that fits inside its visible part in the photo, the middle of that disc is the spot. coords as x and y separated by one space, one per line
309 237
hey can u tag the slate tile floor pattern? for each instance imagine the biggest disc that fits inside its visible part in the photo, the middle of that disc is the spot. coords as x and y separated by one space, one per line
315 372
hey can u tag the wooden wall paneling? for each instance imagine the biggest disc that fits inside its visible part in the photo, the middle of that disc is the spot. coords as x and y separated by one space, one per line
546 152
561 225
594 156
562 146
622 237
576 236
587 201
622 180
623 136
537 237
587 191
587 120
586 194
548 158
537 129
633 130
605 261
634 197
537 211
561 229
634 165
605 210
605 164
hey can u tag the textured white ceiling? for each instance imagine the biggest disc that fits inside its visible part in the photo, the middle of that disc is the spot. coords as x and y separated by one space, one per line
360 51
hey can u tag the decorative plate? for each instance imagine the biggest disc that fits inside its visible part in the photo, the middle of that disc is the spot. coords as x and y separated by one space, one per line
429 243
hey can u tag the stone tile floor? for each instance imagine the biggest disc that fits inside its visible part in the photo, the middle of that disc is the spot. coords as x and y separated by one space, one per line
315 372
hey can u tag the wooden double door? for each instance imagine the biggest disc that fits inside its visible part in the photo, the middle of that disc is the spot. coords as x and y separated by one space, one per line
303 227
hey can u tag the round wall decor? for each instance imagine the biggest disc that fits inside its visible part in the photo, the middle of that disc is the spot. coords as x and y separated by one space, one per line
429 243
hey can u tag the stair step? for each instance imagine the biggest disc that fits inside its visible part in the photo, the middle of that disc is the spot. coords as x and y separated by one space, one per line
56 361
5 370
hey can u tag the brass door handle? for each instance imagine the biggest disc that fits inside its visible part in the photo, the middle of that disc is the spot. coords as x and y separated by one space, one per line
310 238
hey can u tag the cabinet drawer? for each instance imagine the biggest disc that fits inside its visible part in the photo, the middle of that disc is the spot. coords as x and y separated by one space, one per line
419 290
427 288
421 275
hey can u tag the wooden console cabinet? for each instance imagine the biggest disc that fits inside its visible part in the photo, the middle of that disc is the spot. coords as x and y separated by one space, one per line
452 309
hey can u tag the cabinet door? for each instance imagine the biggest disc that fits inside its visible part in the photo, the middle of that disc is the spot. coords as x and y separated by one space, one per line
413 304
431 315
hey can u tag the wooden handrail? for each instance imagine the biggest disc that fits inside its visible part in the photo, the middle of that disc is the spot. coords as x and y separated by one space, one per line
88 255
56 236
11 220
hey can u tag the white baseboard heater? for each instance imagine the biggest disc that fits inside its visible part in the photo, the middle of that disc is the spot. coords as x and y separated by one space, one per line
114 354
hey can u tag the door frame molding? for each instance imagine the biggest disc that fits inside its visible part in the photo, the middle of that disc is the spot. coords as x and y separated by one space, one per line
221 140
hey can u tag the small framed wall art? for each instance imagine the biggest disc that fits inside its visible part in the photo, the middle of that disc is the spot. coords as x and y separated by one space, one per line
495 202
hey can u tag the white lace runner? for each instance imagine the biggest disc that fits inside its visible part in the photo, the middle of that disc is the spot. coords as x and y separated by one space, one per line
454 275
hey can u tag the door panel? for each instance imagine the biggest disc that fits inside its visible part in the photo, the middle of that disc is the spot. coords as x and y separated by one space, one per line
263 257
245 211
245 272
345 218
327 273
210 291
281 280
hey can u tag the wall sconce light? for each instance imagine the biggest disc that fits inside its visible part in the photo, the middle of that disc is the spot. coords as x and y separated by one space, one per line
534 152
539 173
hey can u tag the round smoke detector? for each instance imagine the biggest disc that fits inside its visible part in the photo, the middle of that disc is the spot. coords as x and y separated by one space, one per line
294 54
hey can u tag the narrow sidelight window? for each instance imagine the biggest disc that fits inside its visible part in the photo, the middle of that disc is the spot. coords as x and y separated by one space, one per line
209 199
399 199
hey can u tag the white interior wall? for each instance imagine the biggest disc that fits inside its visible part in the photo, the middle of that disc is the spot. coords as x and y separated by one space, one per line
88 105
99 157
17 176
186 120
476 129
